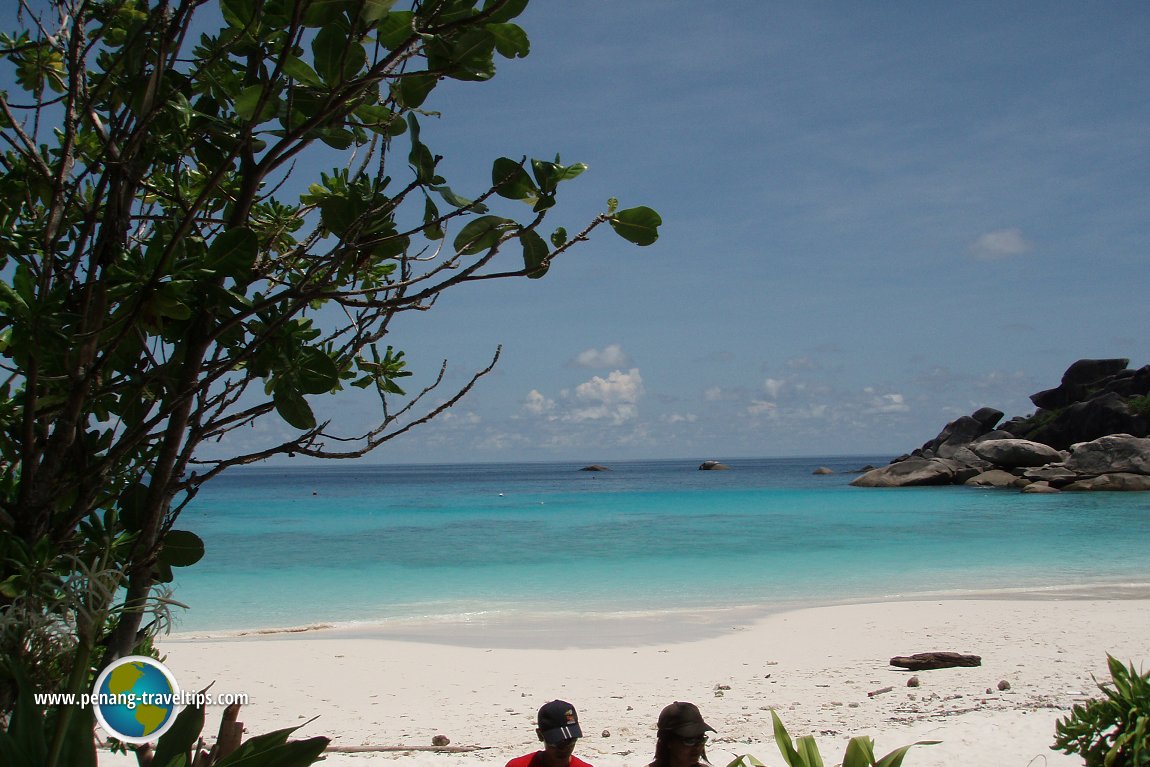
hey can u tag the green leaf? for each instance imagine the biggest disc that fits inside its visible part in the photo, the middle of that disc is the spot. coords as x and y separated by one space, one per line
318 373
182 548
510 180
547 174
168 301
373 10
248 105
481 234
11 302
809 751
299 70
178 740
638 225
859 753
273 749
293 408
745 760
420 157
410 91
78 749
337 138
895 758
509 11
23 742
783 741
432 229
238 13
296 753
535 253
468 56
380 120
395 28
572 171
451 198
337 58
559 237
321 13
510 40
232 252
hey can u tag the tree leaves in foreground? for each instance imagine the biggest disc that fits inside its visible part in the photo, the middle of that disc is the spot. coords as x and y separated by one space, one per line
167 278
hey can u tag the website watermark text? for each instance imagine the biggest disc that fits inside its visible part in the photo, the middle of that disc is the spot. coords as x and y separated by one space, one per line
131 700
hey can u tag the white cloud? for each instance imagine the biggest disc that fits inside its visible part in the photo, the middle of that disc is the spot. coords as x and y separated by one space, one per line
611 356
714 394
614 399
889 403
463 418
758 407
617 387
674 418
537 404
774 387
616 414
1004 243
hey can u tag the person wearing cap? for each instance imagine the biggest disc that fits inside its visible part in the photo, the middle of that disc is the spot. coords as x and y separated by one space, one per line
682 737
558 729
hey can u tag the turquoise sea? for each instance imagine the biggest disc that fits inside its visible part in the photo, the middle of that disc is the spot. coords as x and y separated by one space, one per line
382 545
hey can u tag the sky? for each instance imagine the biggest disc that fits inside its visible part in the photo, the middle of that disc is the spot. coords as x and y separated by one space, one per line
877 217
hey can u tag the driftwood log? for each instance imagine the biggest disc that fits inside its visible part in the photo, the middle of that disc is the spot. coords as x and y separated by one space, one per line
927 660
386 749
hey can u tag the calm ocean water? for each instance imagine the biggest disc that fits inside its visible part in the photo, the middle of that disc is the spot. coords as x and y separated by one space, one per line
373 544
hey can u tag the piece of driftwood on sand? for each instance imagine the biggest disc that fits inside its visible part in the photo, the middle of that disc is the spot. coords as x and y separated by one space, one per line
388 749
924 661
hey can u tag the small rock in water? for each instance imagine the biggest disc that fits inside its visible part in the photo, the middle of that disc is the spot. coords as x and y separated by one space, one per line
440 740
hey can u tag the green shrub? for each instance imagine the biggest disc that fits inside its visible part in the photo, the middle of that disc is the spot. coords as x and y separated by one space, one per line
803 752
1112 731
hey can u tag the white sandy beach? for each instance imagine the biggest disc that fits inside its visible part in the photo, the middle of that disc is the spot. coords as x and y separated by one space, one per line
814 666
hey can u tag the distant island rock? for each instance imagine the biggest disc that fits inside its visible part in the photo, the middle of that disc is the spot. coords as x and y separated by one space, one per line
595 467
823 471
713 466
1088 433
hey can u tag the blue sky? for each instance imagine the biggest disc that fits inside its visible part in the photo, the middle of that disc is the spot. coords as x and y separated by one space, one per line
878 217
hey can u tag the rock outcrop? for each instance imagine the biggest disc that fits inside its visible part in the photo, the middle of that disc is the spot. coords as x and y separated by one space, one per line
1091 432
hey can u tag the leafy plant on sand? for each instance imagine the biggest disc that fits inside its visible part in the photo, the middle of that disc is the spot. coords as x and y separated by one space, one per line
182 745
1114 730
167 278
804 752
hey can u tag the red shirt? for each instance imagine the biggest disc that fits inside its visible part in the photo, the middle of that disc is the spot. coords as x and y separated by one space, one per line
536 760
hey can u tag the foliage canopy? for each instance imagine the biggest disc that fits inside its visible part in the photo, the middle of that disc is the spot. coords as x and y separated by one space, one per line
167 279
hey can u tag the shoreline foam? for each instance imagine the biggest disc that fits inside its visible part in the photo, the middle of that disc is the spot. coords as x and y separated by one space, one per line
574 629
